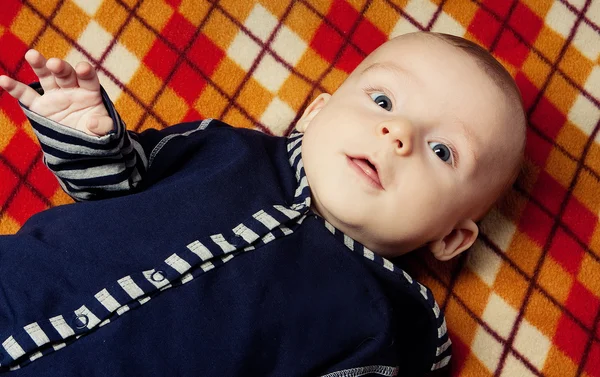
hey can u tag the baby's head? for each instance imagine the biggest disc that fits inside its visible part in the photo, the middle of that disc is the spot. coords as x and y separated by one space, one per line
415 146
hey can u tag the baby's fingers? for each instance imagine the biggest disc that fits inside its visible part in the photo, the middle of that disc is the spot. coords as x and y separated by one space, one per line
63 72
87 78
18 90
37 62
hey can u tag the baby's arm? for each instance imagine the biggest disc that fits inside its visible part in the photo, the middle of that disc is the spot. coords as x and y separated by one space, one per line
85 143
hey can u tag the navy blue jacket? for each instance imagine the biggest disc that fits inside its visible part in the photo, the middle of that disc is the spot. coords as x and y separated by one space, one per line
204 259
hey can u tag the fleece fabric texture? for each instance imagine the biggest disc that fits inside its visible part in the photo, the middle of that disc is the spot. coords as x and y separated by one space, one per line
525 300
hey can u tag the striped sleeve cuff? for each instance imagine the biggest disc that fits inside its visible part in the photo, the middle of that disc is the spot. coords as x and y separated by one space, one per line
90 167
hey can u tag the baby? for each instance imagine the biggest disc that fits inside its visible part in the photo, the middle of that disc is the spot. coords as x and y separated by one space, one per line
248 254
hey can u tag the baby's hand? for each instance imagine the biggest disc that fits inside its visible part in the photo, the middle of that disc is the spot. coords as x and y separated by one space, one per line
71 95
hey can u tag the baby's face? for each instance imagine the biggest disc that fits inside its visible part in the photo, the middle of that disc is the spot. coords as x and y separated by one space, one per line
409 147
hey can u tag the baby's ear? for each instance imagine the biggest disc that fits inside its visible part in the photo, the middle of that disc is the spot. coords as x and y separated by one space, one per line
311 110
460 239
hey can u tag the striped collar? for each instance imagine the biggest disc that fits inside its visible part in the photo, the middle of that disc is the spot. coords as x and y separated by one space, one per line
302 202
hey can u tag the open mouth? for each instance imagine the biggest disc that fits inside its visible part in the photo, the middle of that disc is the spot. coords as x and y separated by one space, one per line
367 169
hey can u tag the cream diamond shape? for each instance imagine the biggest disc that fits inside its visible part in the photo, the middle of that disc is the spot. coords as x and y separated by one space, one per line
560 19
270 73
533 344
95 39
499 315
243 50
261 22
486 348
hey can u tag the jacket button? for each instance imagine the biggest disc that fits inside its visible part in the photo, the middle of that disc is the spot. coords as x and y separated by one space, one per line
81 321
158 276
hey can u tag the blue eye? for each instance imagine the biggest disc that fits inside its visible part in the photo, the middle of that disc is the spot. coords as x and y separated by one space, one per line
442 151
382 101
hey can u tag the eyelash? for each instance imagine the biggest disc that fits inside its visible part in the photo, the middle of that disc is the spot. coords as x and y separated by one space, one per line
372 89
369 89
454 153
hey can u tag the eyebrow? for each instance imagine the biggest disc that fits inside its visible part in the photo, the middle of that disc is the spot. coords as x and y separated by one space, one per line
388 66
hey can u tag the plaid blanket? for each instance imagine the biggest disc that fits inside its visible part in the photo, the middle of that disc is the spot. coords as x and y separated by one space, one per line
525 300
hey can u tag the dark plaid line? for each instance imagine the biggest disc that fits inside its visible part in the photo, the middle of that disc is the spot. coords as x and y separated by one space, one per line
115 37
476 318
586 248
124 88
543 291
577 13
331 25
539 54
563 204
316 84
268 48
582 91
554 66
406 16
454 274
194 67
22 182
346 40
588 346
91 59
275 55
503 25
247 31
259 58
23 179
435 16
562 149
178 62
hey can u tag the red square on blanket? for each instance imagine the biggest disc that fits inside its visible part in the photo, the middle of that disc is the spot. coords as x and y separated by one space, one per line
528 90
579 219
173 3
178 30
205 54
342 15
187 82
327 42
484 27
9 181
42 179
512 50
350 59
499 7
367 37
21 152
10 8
525 23
547 118
11 108
566 251
592 367
536 223
17 48
570 338
583 304
25 204
537 148
548 192
160 59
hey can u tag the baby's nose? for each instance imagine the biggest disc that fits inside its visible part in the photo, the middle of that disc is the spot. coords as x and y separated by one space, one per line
400 133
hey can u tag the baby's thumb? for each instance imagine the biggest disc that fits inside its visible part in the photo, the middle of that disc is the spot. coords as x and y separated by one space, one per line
99 126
